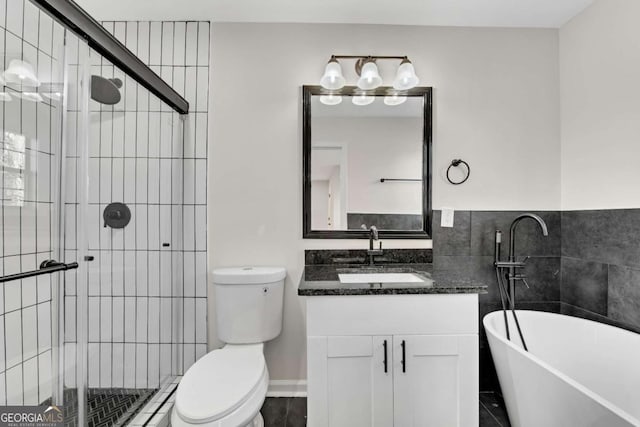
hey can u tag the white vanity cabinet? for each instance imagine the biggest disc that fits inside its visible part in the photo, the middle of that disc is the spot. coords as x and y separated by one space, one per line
392 360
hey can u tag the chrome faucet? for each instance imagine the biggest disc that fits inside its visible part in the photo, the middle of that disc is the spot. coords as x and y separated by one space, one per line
373 235
512 265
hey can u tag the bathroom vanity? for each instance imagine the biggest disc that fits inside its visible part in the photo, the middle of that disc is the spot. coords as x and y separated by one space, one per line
390 342
390 354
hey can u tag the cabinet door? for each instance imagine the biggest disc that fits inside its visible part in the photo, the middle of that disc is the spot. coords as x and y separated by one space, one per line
435 381
347 382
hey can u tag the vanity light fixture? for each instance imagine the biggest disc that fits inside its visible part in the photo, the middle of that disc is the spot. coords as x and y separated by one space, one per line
369 75
332 78
31 96
21 73
54 96
406 76
52 91
362 99
367 70
331 99
395 99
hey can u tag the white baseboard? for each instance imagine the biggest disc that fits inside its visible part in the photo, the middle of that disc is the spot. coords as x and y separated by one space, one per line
287 388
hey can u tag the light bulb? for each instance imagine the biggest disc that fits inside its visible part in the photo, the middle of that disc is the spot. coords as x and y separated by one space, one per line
369 76
21 72
331 99
362 99
395 99
332 78
406 77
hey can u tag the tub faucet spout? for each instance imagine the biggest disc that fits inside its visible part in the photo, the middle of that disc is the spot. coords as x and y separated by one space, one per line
512 264
512 231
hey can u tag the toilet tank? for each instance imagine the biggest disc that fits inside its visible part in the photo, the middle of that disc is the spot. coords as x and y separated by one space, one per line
248 303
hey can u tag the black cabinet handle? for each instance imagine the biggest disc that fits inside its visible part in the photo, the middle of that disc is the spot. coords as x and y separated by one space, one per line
404 364
385 356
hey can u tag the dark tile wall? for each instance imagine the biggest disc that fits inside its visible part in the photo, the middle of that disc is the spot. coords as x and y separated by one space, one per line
359 256
601 266
588 266
467 250
384 221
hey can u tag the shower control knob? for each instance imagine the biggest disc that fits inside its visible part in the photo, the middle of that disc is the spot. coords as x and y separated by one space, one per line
116 215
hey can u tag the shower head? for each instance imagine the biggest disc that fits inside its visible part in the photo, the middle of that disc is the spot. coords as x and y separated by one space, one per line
105 91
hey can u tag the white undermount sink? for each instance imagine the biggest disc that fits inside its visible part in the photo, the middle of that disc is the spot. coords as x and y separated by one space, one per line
380 278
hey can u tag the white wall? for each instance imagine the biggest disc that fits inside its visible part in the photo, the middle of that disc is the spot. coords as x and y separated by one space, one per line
600 89
496 106
320 205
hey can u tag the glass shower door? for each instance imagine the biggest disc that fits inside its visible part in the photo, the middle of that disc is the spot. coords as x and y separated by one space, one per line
77 135
30 117
124 163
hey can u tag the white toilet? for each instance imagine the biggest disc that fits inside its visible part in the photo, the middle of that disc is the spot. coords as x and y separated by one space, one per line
227 387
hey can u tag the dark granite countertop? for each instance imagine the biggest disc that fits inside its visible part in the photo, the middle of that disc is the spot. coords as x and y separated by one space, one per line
322 279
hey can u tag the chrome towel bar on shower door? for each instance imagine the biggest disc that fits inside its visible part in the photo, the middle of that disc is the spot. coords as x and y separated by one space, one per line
46 267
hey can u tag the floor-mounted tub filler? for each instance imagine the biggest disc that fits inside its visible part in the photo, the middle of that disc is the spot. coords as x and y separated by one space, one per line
576 372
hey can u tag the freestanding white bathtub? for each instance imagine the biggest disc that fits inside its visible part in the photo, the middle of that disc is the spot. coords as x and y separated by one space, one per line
577 373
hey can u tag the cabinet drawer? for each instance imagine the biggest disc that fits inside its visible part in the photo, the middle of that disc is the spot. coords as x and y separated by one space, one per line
392 314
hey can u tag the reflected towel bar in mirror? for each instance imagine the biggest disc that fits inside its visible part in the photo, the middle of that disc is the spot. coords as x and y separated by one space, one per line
400 179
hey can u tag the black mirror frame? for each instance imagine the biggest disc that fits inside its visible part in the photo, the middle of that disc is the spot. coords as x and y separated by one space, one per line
307 233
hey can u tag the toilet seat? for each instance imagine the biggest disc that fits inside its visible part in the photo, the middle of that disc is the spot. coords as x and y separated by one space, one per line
220 383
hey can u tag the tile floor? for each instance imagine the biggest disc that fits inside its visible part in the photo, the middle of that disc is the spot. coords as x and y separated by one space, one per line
492 411
107 406
292 411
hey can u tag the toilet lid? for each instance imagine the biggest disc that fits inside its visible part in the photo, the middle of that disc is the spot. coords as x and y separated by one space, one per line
219 382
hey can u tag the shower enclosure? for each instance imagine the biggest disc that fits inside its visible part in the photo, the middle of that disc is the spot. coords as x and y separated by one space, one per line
78 135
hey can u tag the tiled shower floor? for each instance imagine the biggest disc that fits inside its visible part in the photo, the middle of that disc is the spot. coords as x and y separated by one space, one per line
107 406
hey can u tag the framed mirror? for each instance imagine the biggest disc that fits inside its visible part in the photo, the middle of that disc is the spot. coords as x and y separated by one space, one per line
366 161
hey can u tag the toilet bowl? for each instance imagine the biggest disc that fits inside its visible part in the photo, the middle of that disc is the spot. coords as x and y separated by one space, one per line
225 388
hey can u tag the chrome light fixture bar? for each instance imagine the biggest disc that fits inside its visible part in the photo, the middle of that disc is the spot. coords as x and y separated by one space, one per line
367 70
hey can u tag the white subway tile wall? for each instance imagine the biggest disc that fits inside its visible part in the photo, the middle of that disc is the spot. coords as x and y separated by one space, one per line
147 301
28 154
147 316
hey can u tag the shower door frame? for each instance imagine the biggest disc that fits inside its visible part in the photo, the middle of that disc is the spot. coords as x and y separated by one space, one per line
82 181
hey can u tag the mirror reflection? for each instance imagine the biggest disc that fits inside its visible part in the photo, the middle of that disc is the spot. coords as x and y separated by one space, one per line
366 161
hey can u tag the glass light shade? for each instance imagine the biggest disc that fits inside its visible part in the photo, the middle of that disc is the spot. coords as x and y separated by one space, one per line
362 99
369 76
393 100
21 73
331 99
332 78
405 77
